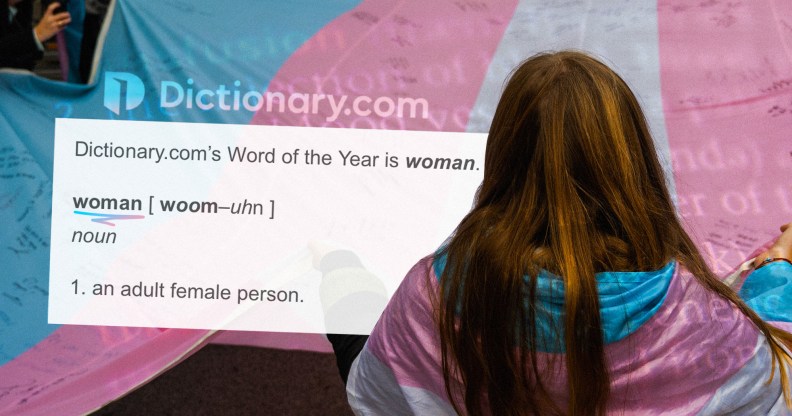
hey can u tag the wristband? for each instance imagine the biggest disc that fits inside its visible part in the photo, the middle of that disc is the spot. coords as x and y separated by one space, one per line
769 260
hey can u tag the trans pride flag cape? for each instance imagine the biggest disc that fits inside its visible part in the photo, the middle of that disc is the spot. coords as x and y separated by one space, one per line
672 346
714 77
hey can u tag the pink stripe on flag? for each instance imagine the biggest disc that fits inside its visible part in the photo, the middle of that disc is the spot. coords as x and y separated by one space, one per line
59 375
726 70
430 55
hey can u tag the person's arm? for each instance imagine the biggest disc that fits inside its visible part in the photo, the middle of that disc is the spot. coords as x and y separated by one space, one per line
18 43
780 251
768 288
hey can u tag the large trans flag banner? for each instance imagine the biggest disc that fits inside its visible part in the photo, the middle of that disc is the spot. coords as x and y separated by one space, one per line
714 78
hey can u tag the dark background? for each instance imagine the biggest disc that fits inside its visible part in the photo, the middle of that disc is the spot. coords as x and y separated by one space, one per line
234 380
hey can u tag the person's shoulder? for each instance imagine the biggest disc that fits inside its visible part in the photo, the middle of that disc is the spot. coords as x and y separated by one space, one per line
423 266
408 319
422 278
419 282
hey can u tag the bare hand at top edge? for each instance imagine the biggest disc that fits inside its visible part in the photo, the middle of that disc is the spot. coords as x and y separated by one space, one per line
782 248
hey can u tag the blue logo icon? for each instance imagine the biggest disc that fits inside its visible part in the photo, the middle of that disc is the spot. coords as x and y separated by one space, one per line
122 90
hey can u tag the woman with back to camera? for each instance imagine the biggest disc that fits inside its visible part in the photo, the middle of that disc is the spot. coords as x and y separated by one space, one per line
571 287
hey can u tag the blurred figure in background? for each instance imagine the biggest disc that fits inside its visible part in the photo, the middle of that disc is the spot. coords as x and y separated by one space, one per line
20 42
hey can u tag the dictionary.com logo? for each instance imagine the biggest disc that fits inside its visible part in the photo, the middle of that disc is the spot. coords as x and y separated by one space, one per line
122 91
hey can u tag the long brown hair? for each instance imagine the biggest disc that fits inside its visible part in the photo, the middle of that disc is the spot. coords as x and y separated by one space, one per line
572 184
